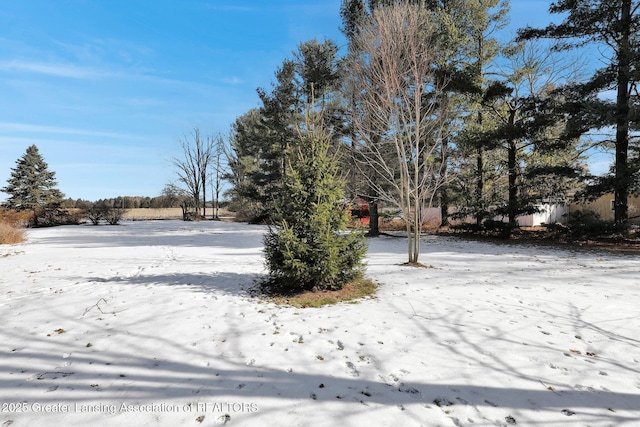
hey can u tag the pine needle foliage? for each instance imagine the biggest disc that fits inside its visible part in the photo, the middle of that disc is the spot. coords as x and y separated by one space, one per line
33 187
308 248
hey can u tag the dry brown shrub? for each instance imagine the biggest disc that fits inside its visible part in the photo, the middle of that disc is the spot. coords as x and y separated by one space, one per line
12 225
392 225
10 234
15 218
397 224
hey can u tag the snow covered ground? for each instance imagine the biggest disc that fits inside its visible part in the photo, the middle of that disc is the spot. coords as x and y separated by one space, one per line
151 323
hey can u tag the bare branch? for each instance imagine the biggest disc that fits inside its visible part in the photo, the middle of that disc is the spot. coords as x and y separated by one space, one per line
197 155
400 114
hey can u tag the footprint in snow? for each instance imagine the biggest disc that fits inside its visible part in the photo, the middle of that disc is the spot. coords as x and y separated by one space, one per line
352 370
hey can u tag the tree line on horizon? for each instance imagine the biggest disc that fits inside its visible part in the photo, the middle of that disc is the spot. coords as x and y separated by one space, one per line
33 190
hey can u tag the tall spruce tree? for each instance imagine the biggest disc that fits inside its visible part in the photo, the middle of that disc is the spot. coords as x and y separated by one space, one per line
615 26
307 249
32 187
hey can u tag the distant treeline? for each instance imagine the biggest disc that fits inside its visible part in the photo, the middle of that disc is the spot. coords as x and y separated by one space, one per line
126 202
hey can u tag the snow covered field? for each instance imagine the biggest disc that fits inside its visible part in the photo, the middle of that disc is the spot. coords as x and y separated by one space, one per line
151 323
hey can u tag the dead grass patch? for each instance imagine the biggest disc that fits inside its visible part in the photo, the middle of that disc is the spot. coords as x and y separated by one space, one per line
10 234
12 225
351 292
15 218
392 225
396 224
417 265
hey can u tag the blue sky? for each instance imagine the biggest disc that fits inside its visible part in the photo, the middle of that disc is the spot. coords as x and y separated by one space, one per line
107 88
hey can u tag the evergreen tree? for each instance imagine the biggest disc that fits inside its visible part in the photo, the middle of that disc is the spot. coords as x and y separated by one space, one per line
248 173
32 187
615 25
279 115
484 17
468 49
262 138
307 248
527 125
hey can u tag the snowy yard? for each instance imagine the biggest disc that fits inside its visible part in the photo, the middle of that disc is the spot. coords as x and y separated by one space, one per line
151 324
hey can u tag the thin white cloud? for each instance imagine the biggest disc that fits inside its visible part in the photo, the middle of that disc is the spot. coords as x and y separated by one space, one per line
233 80
88 73
53 69
96 49
32 128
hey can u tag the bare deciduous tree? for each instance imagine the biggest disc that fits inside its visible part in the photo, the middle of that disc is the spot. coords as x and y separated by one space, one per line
192 167
219 172
400 119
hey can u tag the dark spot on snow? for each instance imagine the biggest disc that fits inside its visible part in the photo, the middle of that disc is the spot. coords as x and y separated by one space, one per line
406 389
53 375
442 401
